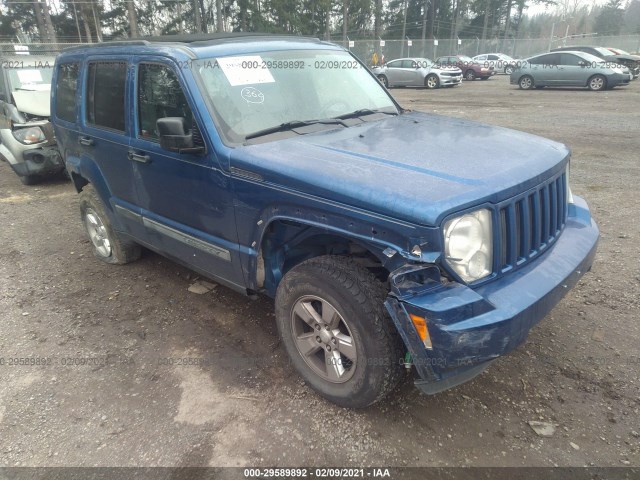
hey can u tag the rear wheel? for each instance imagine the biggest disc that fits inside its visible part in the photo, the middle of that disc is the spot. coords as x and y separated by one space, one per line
107 244
597 82
508 69
339 336
384 80
526 82
470 75
432 81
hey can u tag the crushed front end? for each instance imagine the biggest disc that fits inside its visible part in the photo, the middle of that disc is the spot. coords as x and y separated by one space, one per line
543 241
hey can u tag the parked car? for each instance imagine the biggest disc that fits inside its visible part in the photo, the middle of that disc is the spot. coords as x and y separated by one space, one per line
499 61
27 142
281 166
470 68
569 69
634 71
632 62
417 72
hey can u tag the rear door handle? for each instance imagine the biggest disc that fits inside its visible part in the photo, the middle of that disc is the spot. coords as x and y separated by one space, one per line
139 157
86 141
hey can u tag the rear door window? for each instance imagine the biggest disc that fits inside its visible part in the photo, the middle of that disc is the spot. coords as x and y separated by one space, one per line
106 94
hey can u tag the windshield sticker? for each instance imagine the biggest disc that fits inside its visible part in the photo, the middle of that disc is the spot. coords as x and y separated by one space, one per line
252 95
241 71
29 76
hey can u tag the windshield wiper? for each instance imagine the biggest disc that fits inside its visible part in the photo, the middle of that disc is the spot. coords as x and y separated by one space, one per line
364 111
283 127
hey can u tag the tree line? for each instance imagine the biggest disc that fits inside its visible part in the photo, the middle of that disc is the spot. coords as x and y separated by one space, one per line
62 21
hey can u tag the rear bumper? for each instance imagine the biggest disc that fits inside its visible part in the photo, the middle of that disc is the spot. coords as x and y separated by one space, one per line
471 327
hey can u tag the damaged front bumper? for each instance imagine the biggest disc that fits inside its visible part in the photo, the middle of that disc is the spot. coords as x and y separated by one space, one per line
470 327
39 162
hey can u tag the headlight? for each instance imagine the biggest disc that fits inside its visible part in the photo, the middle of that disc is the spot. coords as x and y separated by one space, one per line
29 135
468 245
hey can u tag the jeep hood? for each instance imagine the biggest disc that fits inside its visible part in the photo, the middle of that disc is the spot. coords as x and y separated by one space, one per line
33 100
415 167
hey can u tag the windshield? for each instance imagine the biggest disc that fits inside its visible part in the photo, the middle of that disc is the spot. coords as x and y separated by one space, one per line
254 92
29 78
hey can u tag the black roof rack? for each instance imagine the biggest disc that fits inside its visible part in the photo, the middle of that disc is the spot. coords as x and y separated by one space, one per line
196 38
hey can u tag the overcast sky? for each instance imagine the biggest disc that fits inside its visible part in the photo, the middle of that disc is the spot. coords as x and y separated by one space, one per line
536 9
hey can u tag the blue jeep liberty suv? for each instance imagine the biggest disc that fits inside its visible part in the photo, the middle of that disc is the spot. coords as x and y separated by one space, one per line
280 165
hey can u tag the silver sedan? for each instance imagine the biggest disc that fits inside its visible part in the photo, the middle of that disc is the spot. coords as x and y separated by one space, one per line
569 69
417 72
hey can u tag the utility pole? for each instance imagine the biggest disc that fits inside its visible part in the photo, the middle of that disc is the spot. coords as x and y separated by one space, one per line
553 27
404 27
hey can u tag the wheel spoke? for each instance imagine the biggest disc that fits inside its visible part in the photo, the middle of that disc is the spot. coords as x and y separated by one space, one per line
307 344
346 346
329 315
92 219
334 366
307 313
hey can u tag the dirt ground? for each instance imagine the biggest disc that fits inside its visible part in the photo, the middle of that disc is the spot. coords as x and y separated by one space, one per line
243 405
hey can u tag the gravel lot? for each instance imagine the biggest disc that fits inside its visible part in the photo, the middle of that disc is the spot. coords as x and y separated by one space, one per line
243 405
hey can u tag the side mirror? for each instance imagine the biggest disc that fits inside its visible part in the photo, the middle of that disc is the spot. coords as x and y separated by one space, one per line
175 135
582 63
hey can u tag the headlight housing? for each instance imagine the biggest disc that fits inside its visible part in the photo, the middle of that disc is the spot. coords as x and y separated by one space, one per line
29 135
468 244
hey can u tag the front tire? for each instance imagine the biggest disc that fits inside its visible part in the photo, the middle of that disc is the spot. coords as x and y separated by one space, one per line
333 324
597 83
29 179
470 75
432 81
107 244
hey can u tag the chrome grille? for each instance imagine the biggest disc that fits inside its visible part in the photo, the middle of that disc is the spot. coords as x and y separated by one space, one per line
530 223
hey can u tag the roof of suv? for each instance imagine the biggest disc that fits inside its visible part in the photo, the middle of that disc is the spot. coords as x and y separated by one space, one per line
204 45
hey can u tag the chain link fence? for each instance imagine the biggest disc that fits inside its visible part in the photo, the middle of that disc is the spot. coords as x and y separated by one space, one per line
520 48
364 49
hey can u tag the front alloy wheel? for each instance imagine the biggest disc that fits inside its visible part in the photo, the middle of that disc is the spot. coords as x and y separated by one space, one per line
331 317
597 82
323 339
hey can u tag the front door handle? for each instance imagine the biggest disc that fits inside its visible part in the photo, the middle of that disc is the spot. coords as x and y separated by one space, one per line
139 157
86 141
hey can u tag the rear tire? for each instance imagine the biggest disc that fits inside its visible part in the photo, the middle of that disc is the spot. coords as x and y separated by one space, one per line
384 80
107 244
337 332
508 69
526 82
